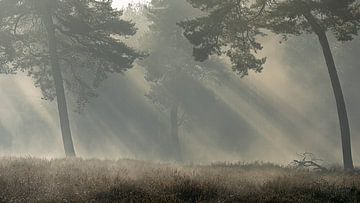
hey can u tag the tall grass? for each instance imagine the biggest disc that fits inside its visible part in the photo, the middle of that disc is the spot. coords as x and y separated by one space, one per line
77 180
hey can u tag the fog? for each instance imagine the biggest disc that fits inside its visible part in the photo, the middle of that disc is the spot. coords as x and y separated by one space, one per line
271 116
124 3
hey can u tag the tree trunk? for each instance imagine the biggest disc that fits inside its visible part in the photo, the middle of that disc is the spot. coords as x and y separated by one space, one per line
59 86
175 132
340 101
335 82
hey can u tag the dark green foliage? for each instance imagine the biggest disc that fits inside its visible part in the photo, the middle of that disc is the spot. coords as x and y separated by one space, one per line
289 17
232 27
225 30
88 34
7 51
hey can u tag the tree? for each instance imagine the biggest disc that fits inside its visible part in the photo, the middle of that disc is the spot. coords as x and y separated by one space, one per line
232 27
65 44
169 65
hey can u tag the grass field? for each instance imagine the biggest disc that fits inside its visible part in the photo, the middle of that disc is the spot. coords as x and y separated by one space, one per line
77 180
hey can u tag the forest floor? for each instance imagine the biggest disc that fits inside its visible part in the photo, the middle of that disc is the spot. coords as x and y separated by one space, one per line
77 180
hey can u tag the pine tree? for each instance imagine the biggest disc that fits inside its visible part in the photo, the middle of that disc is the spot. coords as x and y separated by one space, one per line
233 27
65 44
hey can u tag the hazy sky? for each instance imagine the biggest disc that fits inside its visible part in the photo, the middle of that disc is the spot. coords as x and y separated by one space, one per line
122 3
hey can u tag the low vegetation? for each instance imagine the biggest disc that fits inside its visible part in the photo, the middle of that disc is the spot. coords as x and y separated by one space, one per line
78 180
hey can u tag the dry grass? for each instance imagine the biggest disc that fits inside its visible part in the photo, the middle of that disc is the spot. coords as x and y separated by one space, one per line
77 180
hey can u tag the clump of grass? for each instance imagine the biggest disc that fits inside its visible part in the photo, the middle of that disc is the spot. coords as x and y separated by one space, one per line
78 180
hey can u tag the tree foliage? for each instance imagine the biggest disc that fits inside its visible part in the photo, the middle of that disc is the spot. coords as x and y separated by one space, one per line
342 18
168 64
225 30
88 34
233 27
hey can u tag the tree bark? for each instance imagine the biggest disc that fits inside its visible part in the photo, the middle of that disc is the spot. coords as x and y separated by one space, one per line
174 121
335 82
59 86
340 101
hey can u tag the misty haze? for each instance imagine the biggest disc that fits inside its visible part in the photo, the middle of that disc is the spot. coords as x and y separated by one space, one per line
179 101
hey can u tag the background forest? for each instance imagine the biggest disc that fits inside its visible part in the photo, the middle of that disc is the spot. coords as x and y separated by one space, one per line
170 107
179 101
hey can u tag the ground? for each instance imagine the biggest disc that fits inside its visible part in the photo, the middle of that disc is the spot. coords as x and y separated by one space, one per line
78 180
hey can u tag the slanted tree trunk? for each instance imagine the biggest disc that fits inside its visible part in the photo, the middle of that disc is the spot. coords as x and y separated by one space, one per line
339 97
59 86
174 121
340 102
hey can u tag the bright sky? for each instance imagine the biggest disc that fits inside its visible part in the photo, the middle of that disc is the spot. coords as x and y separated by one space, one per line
123 3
